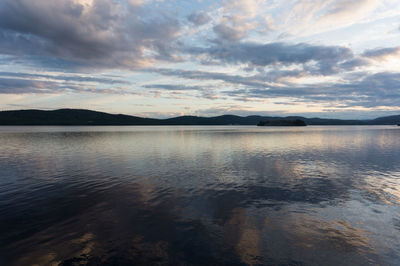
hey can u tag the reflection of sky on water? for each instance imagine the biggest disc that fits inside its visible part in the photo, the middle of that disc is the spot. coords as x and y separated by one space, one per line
200 194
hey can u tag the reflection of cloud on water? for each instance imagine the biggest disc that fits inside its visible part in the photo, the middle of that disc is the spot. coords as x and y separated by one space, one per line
147 222
241 232
313 240
105 232
381 188
292 239
87 250
202 196
309 232
52 252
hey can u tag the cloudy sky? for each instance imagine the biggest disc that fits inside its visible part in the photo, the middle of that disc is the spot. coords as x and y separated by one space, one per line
154 58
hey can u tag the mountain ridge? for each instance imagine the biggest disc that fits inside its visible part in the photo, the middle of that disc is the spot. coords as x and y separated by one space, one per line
78 117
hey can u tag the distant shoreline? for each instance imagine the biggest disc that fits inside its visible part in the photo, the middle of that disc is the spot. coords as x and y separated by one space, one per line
81 117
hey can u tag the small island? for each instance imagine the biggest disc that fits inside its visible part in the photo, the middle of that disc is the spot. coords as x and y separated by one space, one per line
284 123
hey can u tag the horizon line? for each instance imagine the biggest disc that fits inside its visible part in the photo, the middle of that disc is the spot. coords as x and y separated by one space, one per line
244 116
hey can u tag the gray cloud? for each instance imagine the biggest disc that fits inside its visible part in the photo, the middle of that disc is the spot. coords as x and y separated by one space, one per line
381 52
359 89
327 58
381 89
27 86
77 78
171 87
229 33
18 85
353 63
199 18
112 34
274 53
378 89
107 34
202 92
202 75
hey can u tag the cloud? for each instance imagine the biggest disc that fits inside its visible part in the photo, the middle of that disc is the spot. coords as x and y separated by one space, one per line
199 18
21 84
372 90
353 63
382 53
18 86
101 33
229 33
237 19
362 89
203 75
25 83
346 11
232 29
327 58
383 84
315 16
202 92
245 8
235 43
28 86
76 78
172 87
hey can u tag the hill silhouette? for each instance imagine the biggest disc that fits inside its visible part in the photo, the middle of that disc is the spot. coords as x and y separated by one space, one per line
283 122
88 117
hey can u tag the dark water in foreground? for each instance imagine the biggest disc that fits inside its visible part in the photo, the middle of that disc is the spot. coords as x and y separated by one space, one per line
200 195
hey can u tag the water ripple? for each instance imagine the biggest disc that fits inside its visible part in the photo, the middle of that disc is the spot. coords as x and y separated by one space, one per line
199 195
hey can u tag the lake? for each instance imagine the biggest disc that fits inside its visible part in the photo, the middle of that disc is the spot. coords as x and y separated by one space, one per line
226 195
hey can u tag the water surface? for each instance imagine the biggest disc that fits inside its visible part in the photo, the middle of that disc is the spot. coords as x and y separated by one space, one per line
200 195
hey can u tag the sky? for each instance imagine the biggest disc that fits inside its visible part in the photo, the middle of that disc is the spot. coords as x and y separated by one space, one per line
154 58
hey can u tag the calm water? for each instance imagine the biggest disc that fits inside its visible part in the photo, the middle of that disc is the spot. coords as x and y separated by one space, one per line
200 195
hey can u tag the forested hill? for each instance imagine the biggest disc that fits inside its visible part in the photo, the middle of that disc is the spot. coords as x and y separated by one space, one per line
88 117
